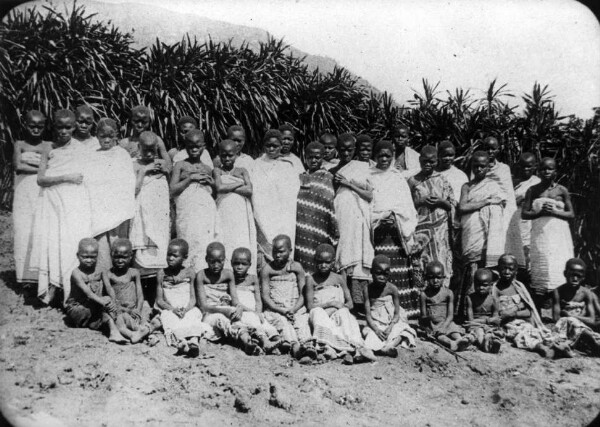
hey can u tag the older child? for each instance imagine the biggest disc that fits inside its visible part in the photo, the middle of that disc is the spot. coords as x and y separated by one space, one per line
237 134
548 206
133 313
63 214
329 302
329 142
282 285
247 294
288 138
315 211
387 325
364 145
149 229
90 304
482 314
27 155
437 310
175 298
235 226
214 289
191 186
84 122
407 159
394 220
435 202
526 179
140 122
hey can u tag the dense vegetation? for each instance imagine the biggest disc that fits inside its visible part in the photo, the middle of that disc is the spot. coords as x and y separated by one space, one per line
51 60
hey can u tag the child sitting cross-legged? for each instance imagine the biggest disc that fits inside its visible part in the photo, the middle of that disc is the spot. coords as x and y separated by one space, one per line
180 318
437 310
90 304
483 319
387 325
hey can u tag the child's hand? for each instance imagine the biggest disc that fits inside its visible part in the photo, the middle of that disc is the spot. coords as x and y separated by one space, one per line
381 334
180 312
237 313
289 315
340 180
388 331
432 201
494 321
75 178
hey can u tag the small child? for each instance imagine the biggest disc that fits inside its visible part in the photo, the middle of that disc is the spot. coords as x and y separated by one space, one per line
84 122
288 138
437 310
214 289
27 155
191 185
90 304
329 142
482 313
364 145
149 230
124 281
180 318
527 179
247 295
282 284
140 122
387 325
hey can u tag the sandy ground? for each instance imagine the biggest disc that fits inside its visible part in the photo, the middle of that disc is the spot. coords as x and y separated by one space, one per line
52 376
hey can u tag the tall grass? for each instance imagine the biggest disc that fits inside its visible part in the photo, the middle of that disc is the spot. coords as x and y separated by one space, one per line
51 59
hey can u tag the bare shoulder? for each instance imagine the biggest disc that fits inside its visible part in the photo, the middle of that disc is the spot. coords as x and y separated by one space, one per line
76 274
390 289
296 267
134 273
251 279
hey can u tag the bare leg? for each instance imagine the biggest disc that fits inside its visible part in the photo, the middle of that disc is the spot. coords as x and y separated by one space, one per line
446 342
123 329
113 332
140 334
248 345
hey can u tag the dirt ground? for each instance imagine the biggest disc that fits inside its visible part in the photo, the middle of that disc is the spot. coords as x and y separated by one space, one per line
53 376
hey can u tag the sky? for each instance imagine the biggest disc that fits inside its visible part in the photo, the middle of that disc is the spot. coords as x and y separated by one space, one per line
460 43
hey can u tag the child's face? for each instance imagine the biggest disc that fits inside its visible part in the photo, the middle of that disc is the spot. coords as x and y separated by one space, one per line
35 126
88 256
273 148
314 159
548 170
493 148
329 149
428 162
346 151
185 128
107 138
140 123
480 166
508 269
483 285
121 257
281 252
215 260
287 141
240 264
527 167
240 139
64 128
84 123
446 157
365 150
401 140
324 261
175 256
435 277
575 274
148 152
380 273
194 147
384 158
228 155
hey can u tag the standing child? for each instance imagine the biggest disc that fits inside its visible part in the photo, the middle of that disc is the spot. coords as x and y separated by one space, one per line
329 142
185 125
482 313
27 156
133 313
235 226
282 285
437 310
181 319
315 212
387 325
237 134
548 206
149 229
364 145
407 159
91 304
527 179
288 138
196 212
214 289
84 122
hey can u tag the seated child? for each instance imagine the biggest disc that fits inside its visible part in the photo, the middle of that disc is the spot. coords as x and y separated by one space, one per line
437 310
214 287
329 302
574 311
482 314
282 285
180 318
247 295
133 315
86 306
387 324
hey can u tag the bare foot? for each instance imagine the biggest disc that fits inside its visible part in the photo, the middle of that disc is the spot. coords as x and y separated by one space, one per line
389 352
116 337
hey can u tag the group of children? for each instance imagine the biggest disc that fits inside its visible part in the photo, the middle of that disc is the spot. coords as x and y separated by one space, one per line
279 256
